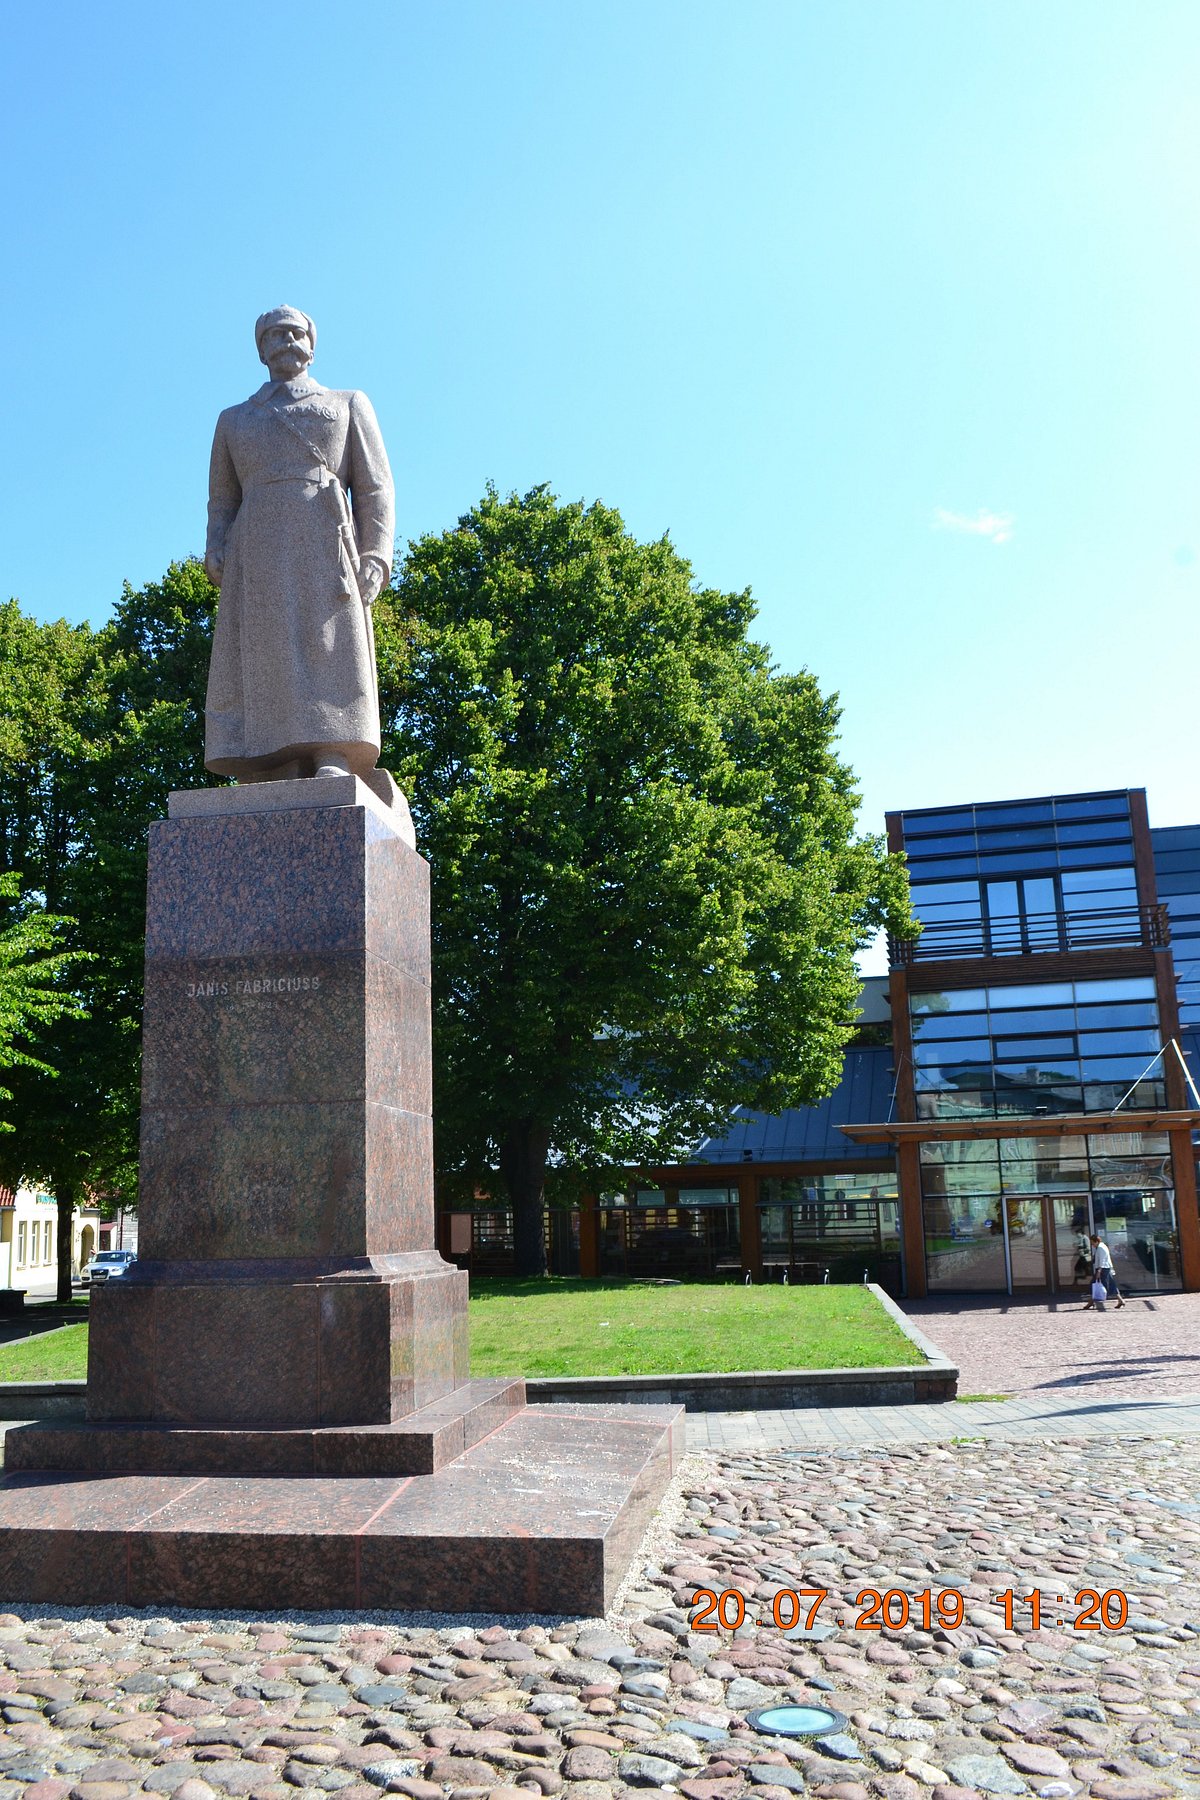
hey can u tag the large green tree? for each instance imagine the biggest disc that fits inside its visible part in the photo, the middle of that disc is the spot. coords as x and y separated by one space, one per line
97 727
35 973
647 885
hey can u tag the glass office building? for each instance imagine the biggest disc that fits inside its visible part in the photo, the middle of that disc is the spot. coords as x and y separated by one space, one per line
1040 1093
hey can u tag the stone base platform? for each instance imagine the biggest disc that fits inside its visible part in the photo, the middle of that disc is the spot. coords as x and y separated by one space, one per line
420 1444
541 1515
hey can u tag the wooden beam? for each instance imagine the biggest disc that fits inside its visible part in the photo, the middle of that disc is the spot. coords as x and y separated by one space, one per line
589 1238
1187 1218
749 1226
912 1220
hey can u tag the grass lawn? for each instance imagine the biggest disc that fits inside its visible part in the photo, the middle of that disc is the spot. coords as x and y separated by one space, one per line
566 1327
563 1327
48 1356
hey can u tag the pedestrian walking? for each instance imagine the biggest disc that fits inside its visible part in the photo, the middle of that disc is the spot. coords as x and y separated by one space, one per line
1104 1276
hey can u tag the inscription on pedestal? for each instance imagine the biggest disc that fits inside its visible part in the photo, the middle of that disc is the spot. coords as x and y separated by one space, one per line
244 987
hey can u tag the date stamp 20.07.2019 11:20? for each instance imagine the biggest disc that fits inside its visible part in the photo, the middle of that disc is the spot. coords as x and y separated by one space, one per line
944 1608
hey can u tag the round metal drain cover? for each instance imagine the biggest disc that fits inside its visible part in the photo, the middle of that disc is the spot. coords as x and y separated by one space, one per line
797 1721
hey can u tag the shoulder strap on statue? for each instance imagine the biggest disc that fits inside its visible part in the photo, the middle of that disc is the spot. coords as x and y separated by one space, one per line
289 424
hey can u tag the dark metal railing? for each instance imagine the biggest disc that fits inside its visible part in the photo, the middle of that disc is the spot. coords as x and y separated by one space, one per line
1035 934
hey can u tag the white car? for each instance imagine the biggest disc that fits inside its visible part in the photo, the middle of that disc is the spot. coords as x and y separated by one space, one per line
108 1265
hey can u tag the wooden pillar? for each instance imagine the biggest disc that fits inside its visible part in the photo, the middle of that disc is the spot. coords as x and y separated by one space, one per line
589 1237
748 1222
912 1223
1187 1218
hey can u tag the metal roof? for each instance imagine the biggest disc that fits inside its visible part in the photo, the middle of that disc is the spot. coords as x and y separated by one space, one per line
810 1133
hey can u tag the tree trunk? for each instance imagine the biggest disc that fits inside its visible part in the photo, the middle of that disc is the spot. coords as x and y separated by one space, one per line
65 1194
523 1166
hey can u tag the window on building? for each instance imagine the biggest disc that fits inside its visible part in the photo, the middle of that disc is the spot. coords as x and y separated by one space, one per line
48 1240
1050 1047
21 1240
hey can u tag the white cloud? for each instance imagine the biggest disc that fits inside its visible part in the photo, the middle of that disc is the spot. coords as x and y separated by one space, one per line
996 527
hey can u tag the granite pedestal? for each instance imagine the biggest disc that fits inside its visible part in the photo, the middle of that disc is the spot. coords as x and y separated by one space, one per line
290 1333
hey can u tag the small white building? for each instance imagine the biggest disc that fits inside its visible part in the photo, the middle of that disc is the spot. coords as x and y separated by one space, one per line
29 1238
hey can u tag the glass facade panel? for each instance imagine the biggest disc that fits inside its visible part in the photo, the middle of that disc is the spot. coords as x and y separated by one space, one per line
1032 837
927 1026
1120 1015
1091 806
1037 1070
945 865
1044 993
844 1224
841 1185
944 893
978 1150
960 819
1114 832
1121 881
1010 862
672 1242
1044 1177
1003 900
1011 1212
1031 1020
1139 1229
1114 1068
957 1050
1018 812
1118 1043
964 1244
1079 856
937 844
957 1000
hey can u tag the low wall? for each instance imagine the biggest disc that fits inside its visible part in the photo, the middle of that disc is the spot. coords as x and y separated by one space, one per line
42 1399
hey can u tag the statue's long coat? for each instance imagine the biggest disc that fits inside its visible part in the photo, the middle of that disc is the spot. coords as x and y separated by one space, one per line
293 660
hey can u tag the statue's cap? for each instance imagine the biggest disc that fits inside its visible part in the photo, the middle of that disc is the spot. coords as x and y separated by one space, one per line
283 315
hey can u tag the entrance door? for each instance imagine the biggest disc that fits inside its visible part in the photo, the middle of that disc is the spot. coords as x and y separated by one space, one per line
1025 1230
1046 1240
1070 1227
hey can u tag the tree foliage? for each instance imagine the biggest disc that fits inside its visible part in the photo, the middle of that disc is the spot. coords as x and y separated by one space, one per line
96 727
33 977
647 887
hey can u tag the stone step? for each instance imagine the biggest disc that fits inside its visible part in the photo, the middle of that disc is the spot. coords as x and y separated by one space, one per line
422 1443
542 1515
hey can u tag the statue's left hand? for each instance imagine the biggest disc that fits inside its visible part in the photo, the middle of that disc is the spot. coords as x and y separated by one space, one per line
372 575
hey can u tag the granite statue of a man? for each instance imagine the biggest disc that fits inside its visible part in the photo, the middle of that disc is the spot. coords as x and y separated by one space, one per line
300 537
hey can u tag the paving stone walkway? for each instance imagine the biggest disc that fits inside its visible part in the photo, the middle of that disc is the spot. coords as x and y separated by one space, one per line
1148 1350
1025 1418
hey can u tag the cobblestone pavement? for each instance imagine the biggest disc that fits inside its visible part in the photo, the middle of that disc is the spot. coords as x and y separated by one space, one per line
1040 1347
103 1708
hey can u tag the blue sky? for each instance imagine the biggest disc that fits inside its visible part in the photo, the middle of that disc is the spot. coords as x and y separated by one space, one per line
887 311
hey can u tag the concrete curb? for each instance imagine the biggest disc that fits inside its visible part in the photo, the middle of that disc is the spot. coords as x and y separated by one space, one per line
42 1399
749 1390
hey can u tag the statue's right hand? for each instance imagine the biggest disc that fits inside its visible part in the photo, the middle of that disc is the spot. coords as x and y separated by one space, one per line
214 568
